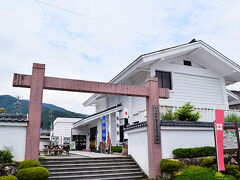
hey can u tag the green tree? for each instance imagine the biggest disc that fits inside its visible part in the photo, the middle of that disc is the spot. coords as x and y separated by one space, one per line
185 113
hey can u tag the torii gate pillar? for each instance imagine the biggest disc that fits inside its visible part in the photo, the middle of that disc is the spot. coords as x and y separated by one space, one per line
154 150
35 110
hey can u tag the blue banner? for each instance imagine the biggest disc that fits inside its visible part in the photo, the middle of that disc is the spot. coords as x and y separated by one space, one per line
104 128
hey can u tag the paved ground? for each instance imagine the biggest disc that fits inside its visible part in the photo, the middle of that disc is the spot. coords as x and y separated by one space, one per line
93 154
81 154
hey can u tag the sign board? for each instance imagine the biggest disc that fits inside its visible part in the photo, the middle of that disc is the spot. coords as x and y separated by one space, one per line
230 140
73 145
156 124
218 130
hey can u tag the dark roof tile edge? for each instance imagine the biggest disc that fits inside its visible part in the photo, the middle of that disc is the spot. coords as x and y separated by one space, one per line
177 124
13 118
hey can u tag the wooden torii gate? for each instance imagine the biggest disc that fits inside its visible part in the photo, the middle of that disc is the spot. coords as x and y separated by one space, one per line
37 82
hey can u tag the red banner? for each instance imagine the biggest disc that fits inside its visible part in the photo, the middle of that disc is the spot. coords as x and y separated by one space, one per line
219 114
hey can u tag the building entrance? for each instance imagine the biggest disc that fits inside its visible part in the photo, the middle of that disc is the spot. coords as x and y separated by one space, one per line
92 139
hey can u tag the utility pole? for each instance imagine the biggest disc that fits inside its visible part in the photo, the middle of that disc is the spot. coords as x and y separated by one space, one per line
17 106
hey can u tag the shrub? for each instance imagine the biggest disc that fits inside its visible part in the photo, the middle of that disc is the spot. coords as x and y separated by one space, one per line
231 118
207 162
33 173
28 164
169 115
219 175
117 149
231 169
6 156
185 113
170 166
9 177
197 173
194 152
2 110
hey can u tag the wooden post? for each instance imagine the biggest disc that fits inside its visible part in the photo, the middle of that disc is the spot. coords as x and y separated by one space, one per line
35 110
154 150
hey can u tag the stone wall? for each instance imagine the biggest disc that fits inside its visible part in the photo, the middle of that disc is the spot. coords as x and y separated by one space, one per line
8 169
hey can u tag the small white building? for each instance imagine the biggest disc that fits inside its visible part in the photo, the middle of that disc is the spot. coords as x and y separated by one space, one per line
13 134
62 129
44 138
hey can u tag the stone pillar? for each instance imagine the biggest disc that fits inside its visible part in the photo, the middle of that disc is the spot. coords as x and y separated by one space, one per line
154 150
35 109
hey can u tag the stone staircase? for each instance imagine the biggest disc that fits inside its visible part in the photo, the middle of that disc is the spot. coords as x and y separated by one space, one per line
104 168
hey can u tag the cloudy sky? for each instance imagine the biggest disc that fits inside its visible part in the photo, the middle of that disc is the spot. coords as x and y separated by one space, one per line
95 40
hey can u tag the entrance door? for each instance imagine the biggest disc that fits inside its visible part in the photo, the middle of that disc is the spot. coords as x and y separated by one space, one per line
121 133
93 133
80 141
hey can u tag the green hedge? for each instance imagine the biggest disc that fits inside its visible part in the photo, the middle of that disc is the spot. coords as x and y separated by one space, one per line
170 166
6 156
33 173
117 149
9 177
194 152
28 164
207 162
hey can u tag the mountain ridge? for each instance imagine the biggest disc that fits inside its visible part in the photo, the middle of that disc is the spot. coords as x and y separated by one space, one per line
7 102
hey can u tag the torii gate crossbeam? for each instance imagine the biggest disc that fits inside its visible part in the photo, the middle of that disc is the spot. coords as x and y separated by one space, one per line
37 82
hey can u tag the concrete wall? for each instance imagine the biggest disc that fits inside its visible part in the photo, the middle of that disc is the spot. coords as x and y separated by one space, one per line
172 138
13 135
185 137
138 147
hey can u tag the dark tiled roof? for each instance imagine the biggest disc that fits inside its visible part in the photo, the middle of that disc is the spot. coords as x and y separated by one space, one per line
13 118
178 124
186 123
134 126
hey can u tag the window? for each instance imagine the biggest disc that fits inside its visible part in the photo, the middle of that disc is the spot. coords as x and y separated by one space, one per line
187 63
164 79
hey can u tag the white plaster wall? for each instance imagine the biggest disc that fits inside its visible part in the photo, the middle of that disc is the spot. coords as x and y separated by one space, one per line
63 126
181 137
101 104
15 138
203 87
172 138
138 147
113 130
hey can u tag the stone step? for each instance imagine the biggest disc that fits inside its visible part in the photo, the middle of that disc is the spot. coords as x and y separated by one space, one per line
89 164
106 168
97 172
102 176
87 161
67 169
